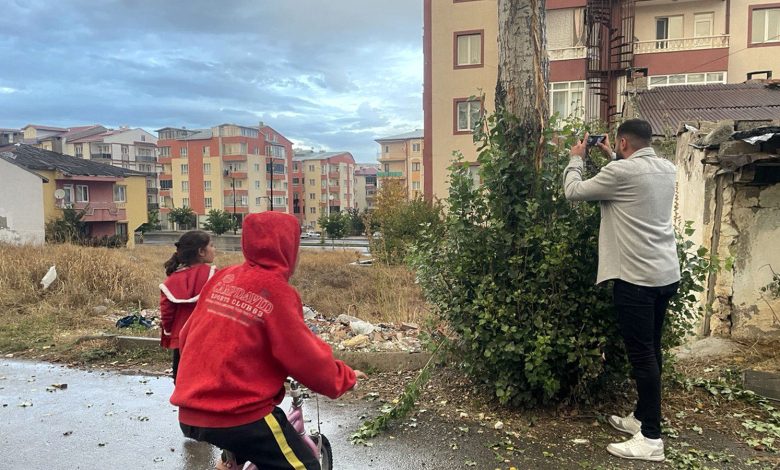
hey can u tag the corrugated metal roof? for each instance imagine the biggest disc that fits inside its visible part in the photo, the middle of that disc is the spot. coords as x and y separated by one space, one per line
34 159
415 134
666 107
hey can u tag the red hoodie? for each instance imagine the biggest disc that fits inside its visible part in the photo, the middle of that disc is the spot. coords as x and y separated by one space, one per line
178 295
247 335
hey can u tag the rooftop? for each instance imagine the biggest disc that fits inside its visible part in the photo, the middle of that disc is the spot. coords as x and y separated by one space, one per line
415 134
304 156
666 107
36 159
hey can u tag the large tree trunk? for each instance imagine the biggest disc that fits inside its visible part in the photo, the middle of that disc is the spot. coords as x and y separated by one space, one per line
522 70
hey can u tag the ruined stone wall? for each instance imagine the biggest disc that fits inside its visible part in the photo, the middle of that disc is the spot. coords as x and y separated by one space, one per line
755 217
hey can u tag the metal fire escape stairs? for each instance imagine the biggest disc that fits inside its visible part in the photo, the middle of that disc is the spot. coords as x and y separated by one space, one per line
610 55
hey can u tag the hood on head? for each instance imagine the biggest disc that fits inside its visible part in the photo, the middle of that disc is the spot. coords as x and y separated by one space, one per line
270 240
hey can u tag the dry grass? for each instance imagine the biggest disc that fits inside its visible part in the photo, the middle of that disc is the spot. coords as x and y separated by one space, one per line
33 318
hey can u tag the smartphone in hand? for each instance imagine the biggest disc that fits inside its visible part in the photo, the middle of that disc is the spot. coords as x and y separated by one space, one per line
595 139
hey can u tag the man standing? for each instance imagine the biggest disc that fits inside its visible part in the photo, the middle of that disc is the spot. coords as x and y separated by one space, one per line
637 250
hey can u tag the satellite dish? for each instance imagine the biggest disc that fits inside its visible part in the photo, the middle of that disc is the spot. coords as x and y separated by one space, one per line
331 197
59 194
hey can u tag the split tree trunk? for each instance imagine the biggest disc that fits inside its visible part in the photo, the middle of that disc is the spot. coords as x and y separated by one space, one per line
523 70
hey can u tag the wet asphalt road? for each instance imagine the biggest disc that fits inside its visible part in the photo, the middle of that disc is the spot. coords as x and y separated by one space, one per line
105 420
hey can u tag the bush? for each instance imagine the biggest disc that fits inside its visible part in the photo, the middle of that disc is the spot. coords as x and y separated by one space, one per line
399 221
184 217
219 221
512 270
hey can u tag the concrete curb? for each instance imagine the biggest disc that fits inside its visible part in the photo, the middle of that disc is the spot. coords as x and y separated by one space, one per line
379 361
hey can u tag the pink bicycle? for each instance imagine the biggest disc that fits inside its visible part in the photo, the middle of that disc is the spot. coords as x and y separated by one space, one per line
315 441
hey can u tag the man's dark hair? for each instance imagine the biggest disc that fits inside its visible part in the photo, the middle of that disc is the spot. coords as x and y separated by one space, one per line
637 132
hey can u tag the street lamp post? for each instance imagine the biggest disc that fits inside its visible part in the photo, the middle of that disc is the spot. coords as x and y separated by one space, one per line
271 199
233 185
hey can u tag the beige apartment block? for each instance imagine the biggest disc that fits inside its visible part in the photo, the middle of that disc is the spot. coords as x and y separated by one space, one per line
400 158
326 185
692 42
365 186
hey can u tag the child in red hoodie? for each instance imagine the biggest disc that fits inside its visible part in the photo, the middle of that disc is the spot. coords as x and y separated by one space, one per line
187 270
245 337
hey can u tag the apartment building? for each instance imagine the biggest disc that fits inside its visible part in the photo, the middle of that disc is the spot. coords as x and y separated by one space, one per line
128 148
325 184
114 199
239 169
365 186
400 158
598 49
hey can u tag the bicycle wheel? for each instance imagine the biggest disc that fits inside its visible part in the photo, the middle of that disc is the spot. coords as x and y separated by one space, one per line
326 457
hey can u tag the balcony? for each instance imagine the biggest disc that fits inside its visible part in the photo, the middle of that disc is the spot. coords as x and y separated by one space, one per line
239 175
238 191
146 159
682 44
153 206
100 156
567 53
234 158
152 190
390 174
97 211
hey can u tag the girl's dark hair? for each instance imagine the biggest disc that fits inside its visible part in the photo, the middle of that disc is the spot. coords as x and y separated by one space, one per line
187 249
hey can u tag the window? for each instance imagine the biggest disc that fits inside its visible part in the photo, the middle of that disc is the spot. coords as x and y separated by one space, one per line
207 168
668 28
244 200
312 196
567 98
239 183
467 113
125 151
257 167
185 186
82 193
206 151
312 210
207 185
296 181
468 51
416 166
68 199
387 149
78 150
165 151
415 147
416 185
765 25
207 203
312 182
257 184
311 167
387 168
702 24
185 169
183 151
257 200
166 184
687 79
234 148
120 193
185 202
295 166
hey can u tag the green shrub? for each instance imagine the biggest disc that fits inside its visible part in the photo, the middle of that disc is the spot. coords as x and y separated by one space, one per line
512 270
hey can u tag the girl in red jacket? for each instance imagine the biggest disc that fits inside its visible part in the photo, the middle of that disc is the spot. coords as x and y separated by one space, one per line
187 270
245 337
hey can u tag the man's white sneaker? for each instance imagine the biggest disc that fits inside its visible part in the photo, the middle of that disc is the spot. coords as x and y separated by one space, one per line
628 425
639 448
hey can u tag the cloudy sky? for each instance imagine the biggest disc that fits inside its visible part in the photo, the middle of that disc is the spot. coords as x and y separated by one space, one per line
332 75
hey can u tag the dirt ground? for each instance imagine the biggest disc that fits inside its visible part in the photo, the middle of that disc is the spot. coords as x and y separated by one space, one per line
702 430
